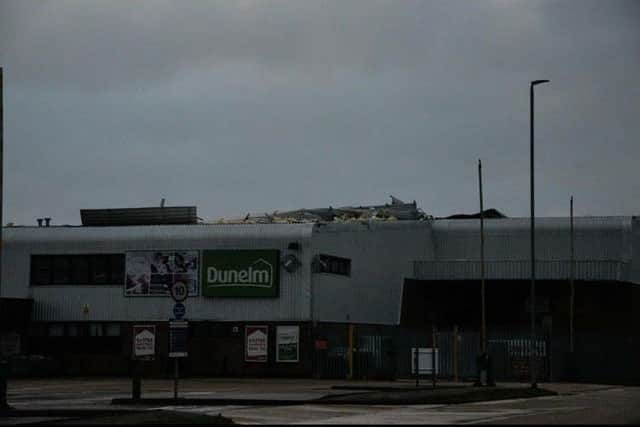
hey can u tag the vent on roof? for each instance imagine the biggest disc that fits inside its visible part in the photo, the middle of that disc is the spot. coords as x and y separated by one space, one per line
139 216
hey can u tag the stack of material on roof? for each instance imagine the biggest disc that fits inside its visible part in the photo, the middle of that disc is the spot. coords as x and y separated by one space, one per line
488 213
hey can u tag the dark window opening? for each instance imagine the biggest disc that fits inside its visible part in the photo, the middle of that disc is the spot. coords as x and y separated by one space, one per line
99 269
77 338
79 269
41 270
334 265
61 270
117 269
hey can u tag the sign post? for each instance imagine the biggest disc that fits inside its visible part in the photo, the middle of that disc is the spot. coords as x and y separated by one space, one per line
178 329
144 349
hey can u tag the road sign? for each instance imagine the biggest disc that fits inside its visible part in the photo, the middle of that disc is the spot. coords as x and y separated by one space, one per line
179 310
178 332
179 291
144 342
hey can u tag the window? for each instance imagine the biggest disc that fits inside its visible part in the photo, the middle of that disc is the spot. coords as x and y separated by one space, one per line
56 330
112 330
99 269
96 330
103 269
80 269
117 269
61 270
74 330
334 265
40 270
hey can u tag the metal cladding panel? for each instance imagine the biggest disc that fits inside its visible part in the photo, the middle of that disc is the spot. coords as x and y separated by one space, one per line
635 242
381 257
109 302
139 216
596 238
521 270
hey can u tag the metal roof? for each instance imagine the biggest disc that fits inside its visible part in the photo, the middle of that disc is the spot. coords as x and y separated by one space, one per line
165 233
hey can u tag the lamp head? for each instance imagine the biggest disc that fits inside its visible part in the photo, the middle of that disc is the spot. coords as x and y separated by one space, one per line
537 82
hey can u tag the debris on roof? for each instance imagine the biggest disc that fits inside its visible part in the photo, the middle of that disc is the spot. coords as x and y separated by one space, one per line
488 213
397 210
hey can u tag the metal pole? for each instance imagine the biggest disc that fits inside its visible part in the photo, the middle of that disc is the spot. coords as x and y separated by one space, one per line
1 166
350 355
175 379
416 363
571 284
433 355
4 364
455 353
482 274
532 366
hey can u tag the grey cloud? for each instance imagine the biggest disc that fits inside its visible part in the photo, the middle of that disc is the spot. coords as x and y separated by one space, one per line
248 106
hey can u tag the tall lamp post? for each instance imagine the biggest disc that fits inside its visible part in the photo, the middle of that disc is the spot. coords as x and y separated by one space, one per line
532 365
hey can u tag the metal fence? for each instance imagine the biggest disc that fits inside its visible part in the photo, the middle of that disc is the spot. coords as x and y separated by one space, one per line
387 352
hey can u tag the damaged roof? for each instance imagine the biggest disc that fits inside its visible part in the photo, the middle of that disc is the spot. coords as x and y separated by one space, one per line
397 210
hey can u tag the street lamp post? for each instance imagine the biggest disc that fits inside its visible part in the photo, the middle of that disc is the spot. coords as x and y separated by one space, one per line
532 365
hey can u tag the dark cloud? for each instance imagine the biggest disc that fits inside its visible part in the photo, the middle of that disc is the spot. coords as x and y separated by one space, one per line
261 105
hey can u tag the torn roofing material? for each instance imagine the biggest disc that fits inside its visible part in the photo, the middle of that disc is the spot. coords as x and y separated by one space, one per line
396 210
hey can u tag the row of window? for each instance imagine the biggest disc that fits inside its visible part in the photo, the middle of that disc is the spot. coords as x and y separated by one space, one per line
84 330
102 269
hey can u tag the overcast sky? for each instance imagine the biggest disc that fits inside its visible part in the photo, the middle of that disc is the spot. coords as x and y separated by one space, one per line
252 106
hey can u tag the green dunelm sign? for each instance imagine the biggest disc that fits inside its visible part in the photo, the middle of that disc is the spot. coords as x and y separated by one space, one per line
240 273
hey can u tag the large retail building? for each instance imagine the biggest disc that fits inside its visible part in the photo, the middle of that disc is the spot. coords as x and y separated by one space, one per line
291 299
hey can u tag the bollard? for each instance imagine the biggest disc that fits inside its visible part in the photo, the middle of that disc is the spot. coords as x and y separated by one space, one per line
135 389
136 381
4 373
491 378
481 369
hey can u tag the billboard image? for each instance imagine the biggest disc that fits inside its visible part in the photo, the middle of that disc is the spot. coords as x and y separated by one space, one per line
152 273
240 273
287 339
256 343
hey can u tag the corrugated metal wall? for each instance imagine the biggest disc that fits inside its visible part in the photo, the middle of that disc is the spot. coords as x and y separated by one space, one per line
596 238
545 270
381 257
109 302
603 249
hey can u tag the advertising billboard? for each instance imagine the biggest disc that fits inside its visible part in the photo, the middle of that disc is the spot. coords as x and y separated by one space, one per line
240 273
287 347
256 343
153 273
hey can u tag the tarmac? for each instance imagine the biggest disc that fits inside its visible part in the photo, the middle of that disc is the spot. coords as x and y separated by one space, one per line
59 399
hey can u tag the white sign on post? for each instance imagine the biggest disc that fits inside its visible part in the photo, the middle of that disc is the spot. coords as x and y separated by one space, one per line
144 342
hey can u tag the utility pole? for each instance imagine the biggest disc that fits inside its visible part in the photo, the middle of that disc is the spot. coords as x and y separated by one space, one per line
532 359
4 364
571 279
483 335
1 166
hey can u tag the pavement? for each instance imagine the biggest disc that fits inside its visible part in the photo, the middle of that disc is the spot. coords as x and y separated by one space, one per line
47 399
